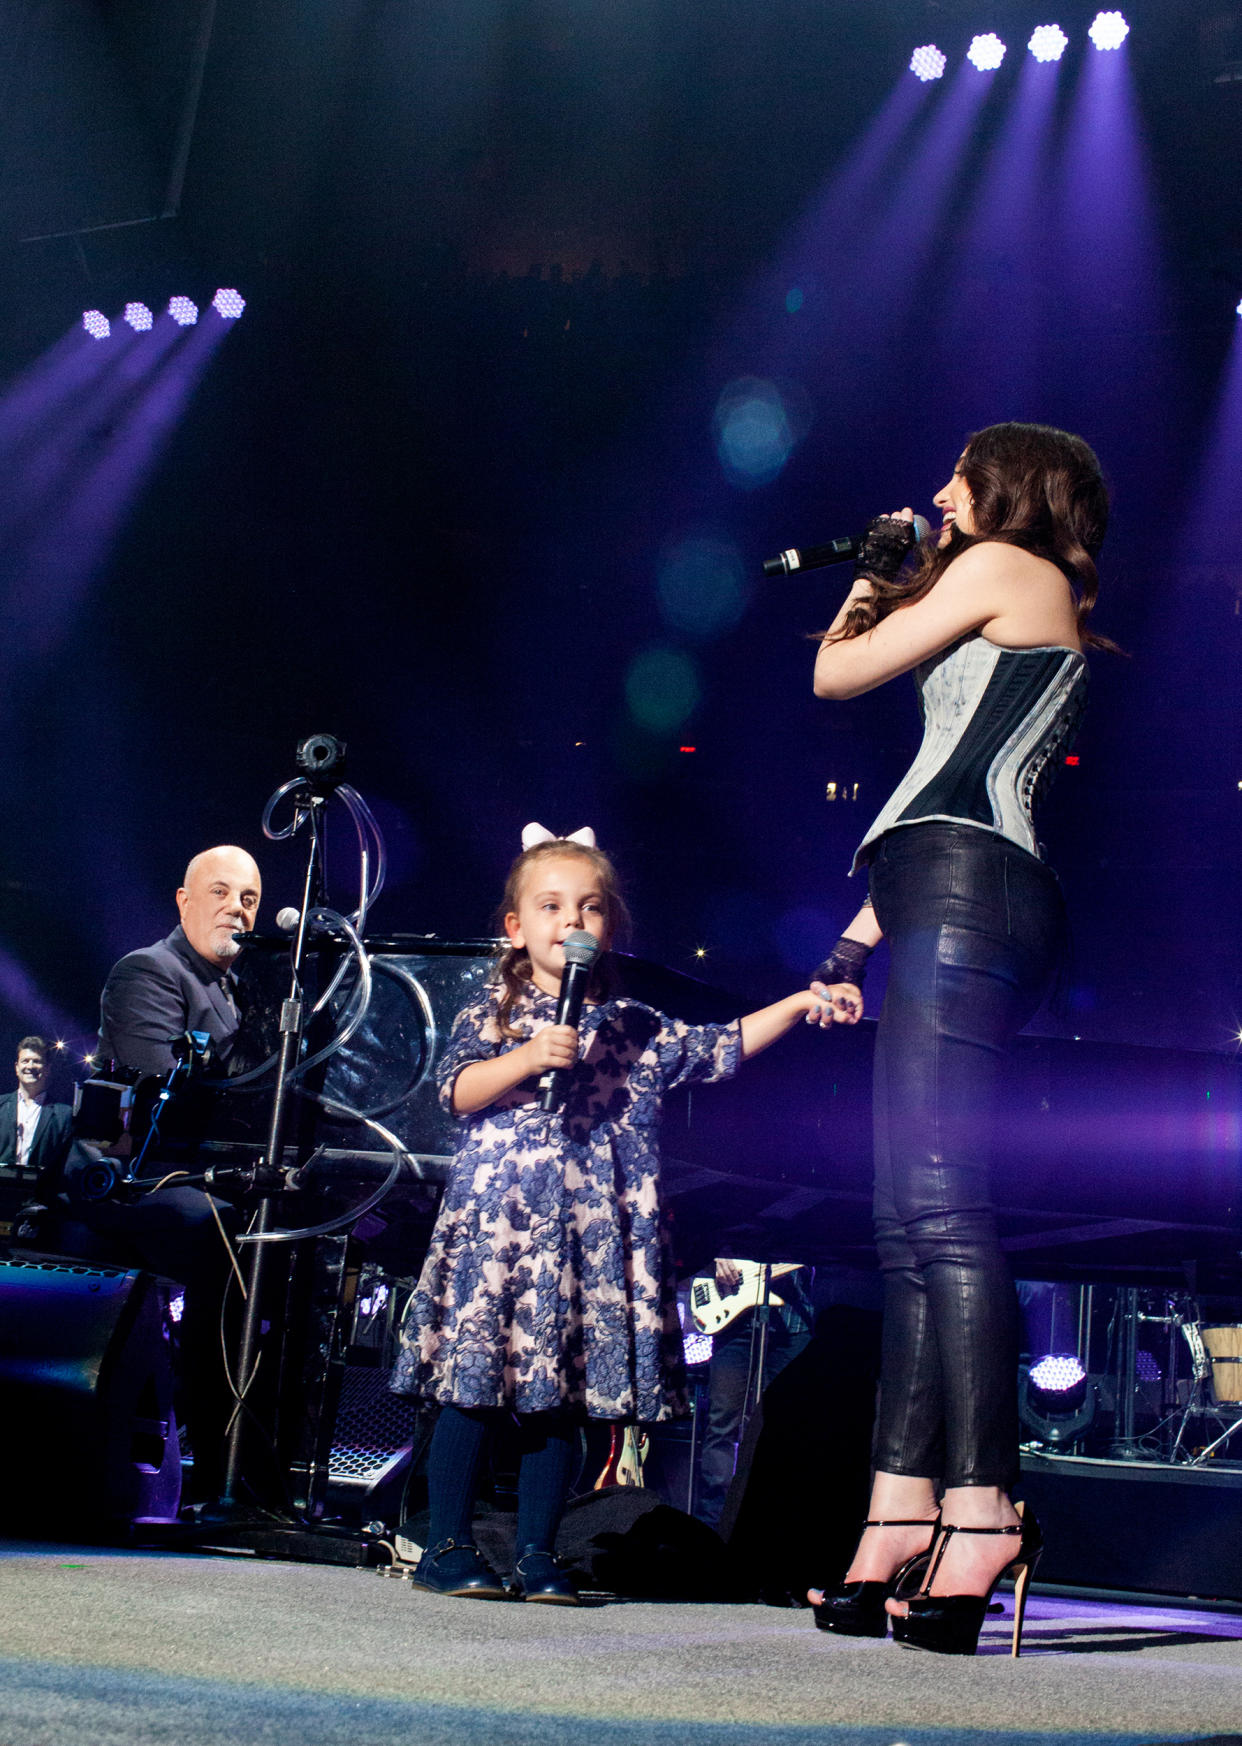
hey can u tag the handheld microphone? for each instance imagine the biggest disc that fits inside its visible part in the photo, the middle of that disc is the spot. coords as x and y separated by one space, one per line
581 950
835 552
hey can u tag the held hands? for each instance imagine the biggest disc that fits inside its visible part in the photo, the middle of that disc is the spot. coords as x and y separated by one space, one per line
821 1004
838 1003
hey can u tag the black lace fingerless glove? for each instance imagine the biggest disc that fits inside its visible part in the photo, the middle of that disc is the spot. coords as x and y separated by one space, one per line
886 545
847 962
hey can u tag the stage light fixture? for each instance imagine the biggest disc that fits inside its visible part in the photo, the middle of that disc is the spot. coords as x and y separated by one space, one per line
928 63
1059 1378
183 311
1057 1400
229 304
1238 311
1108 30
139 317
986 52
1048 42
698 1347
96 323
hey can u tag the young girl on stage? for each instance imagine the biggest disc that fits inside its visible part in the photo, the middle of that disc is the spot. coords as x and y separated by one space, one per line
548 1290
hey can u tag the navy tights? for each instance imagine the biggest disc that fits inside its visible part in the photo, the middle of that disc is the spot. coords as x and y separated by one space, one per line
549 1443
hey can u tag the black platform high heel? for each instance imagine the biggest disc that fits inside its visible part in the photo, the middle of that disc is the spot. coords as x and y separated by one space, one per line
949 1624
856 1609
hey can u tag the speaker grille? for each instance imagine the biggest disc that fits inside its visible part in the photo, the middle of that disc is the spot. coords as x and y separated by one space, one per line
372 1424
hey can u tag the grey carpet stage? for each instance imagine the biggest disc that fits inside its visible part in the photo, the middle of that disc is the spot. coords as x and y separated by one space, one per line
122 1649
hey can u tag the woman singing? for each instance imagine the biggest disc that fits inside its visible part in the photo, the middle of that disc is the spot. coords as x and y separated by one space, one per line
992 621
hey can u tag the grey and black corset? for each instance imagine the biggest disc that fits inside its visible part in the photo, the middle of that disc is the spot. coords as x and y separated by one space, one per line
996 725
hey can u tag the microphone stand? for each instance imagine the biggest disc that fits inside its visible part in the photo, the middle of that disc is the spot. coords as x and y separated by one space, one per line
268 1177
759 1330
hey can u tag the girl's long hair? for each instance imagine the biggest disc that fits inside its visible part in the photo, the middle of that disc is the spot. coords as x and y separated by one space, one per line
1032 486
512 972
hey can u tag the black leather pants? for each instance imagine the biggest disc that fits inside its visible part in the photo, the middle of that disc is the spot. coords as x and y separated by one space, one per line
974 926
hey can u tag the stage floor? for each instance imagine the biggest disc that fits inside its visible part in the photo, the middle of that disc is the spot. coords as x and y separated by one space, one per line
107 1648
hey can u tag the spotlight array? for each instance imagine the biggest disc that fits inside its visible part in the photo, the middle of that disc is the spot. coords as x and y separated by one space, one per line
1109 30
1048 43
986 52
227 303
928 63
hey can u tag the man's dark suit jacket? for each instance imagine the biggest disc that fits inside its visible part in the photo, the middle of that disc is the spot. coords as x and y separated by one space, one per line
50 1143
155 994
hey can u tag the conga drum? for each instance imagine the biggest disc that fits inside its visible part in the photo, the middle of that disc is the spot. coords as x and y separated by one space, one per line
1224 1345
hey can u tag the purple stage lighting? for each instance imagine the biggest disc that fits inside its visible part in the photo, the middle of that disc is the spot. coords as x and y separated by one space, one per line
928 63
986 52
139 317
96 324
228 304
183 311
1057 1374
1048 42
1109 30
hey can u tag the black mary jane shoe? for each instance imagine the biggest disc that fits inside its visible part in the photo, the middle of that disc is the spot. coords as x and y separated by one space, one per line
538 1577
856 1609
457 1567
949 1624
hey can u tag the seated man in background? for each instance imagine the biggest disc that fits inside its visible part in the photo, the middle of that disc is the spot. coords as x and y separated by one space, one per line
34 1132
151 999
185 982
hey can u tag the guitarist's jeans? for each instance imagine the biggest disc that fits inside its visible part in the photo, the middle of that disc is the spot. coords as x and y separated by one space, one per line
974 926
728 1377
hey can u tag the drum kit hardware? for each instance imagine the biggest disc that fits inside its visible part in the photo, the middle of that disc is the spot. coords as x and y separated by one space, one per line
1166 1381
1216 1385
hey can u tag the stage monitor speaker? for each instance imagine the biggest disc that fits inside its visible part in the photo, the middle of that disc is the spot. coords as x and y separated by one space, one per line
86 1390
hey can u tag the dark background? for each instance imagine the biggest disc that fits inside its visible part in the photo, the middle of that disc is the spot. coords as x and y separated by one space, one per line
502 258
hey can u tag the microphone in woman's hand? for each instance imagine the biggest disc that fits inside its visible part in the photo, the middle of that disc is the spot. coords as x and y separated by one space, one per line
580 950
835 552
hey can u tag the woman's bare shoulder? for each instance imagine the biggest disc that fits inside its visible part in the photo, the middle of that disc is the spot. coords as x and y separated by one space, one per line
1032 602
997 559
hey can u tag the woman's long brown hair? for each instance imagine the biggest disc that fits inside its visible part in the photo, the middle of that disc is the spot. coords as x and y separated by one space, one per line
1031 486
513 963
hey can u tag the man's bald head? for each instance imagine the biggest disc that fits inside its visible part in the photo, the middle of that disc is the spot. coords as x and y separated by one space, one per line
219 898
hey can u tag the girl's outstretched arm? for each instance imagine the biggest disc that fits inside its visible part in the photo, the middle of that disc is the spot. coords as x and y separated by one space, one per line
770 1022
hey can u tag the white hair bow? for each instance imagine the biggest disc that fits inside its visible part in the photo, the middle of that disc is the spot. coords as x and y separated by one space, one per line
534 834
